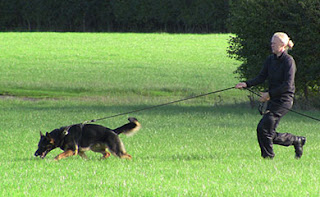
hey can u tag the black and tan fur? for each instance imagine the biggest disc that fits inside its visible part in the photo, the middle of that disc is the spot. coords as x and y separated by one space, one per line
76 139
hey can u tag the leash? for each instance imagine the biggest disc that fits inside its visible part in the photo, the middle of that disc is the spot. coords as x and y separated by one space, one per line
160 105
184 99
301 114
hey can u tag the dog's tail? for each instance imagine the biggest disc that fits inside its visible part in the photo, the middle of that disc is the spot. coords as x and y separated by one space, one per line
130 128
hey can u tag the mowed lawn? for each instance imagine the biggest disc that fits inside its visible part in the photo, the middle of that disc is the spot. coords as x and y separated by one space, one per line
51 64
201 147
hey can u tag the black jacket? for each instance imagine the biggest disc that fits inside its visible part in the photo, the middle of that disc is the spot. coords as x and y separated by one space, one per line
280 72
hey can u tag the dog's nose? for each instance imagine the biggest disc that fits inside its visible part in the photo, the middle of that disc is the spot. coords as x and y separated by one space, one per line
36 154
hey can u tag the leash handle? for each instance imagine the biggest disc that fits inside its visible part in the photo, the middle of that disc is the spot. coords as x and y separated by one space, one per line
299 113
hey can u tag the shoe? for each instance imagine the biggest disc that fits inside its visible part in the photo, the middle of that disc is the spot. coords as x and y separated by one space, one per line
298 146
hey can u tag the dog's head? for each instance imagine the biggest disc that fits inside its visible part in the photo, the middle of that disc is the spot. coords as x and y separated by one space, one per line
46 144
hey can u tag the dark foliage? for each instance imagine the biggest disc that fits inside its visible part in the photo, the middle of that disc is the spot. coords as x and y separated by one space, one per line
254 22
194 16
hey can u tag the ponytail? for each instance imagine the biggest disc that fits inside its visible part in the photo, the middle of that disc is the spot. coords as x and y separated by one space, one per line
290 44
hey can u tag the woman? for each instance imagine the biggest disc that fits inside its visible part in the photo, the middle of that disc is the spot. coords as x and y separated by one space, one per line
279 69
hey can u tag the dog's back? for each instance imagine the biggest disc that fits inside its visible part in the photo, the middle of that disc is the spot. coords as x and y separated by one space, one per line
93 134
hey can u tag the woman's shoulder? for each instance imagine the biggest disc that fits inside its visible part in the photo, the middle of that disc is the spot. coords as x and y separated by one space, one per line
271 58
288 61
287 57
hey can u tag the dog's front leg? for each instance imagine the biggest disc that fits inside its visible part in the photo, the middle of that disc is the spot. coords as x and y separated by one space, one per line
65 154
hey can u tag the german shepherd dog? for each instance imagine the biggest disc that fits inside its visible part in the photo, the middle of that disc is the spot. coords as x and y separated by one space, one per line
76 139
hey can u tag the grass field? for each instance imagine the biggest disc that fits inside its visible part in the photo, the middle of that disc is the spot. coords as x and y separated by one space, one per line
201 147
49 64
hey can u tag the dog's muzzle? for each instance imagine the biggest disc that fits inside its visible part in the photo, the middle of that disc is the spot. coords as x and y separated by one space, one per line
42 155
36 154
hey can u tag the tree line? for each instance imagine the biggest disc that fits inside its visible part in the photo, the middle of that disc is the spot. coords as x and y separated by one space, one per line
192 16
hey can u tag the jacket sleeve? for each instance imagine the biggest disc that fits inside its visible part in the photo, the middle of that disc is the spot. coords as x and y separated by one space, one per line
261 77
287 86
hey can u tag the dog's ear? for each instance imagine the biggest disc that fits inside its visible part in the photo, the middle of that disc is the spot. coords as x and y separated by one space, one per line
41 135
48 135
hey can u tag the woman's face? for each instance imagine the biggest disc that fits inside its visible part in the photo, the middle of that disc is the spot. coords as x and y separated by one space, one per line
277 46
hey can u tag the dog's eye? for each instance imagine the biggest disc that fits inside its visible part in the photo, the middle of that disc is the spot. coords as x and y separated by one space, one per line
47 146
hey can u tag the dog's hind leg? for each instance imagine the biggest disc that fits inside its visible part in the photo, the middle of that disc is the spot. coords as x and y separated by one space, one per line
83 155
101 148
121 154
65 154
117 149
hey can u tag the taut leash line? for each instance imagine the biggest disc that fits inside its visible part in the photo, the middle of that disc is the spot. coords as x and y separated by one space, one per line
160 105
301 114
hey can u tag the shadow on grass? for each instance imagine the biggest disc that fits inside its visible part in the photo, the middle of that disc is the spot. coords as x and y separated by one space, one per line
83 111
144 109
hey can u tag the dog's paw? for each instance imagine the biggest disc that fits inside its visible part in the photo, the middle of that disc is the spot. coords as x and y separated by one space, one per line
126 156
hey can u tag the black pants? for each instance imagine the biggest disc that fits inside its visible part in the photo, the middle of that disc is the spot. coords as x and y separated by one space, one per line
266 130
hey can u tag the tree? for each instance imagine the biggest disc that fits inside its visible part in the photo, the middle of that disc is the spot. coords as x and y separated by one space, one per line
254 21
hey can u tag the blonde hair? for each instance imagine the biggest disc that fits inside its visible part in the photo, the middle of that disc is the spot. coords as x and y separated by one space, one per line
284 39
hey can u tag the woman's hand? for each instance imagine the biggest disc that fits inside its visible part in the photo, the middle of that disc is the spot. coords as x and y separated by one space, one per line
241 85
264 97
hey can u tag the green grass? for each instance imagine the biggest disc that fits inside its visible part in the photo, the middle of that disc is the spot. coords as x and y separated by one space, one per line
203 147
75 64
181 150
